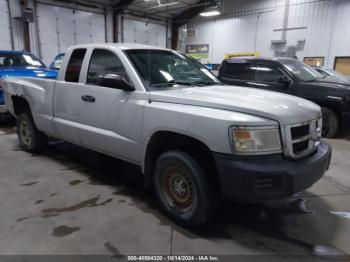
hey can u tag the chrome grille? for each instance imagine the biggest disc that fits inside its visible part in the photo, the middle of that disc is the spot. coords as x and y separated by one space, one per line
303 138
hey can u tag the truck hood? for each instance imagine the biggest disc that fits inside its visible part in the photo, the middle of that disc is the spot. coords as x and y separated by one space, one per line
27 72
332 82
285 109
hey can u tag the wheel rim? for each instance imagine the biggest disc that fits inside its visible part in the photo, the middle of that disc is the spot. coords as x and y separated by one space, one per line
177 188
25 133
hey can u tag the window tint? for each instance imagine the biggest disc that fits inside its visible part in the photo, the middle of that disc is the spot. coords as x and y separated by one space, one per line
164 69
302 71
238 71
19 59
74 65
104 62
265 73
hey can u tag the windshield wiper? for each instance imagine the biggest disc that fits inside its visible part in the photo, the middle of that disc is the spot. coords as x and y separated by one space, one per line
207 83
185 83
167 84
174 82
308 81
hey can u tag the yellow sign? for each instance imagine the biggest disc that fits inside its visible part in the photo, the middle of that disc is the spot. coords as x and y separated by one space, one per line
241 54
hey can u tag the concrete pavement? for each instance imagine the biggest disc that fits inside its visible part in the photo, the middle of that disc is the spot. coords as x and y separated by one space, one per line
74 201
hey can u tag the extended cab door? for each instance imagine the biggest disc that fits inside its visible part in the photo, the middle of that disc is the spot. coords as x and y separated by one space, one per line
110 118
67 90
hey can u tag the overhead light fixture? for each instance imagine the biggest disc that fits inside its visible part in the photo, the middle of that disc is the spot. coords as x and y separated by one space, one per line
163 5
210 13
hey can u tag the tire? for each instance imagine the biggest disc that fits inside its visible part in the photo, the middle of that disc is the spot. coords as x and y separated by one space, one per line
30 138
330 123
183 189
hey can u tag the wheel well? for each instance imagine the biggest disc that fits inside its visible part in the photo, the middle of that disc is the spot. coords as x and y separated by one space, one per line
20 105
163 141
337 111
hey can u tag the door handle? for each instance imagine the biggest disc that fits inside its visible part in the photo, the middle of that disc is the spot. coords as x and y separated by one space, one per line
87 98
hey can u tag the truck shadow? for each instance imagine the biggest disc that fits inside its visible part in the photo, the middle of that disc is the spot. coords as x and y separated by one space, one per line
7 125
298 223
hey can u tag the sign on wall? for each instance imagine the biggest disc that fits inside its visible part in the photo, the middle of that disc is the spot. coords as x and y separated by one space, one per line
198 51
241 54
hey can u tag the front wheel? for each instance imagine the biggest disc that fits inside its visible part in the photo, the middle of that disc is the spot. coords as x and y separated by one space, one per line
30 138
330 123
182 189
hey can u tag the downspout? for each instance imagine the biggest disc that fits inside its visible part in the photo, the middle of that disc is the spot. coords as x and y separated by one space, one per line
331 36
37 28
11 26
122 28
105 17
115 26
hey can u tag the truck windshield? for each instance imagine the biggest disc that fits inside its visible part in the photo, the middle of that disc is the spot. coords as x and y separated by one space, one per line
166 69
302 71
19 59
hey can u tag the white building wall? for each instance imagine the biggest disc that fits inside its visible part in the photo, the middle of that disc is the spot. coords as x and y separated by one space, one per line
143 32
61 27
17 25
5 33
249 26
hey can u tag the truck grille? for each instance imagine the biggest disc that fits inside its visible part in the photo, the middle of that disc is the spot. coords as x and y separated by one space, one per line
303 138
300 131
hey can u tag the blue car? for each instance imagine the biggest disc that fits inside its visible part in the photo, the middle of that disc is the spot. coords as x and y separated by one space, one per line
21 64
57 61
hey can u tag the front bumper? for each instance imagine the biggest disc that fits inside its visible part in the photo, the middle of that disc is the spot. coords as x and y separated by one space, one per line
258 178
3 109
346 121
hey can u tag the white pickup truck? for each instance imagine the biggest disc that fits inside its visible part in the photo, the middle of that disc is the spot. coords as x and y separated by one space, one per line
196 140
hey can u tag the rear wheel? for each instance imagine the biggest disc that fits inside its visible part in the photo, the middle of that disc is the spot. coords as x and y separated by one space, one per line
182 189
30 138
330 123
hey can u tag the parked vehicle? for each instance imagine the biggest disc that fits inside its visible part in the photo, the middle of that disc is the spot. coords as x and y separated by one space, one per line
331 74
21 64
296 78
196 140
57 62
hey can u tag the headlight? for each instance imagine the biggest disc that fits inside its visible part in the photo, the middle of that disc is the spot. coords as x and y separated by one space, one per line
256 140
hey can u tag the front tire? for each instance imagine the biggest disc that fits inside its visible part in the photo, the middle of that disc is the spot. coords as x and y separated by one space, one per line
330 123
182 189
30 138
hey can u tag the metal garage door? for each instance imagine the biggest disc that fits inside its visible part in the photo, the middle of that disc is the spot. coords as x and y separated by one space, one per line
142 33
60 27
5 34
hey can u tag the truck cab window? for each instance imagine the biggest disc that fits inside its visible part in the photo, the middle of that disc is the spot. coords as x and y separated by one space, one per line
265 73
74 65
242 71
104 62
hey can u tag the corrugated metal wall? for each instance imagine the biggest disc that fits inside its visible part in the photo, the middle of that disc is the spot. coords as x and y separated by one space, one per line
146 33
60 28
58 25
249 26
17 25
5 34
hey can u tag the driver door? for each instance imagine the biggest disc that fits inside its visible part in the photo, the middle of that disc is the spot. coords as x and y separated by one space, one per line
110 118
268 76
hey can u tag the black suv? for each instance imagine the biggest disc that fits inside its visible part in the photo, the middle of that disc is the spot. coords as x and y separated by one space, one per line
296 78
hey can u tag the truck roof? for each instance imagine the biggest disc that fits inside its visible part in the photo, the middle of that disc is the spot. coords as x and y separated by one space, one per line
122 46
13 52
243 59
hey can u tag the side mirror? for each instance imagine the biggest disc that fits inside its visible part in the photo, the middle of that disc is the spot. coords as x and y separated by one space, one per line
284 80
57 65
114 81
